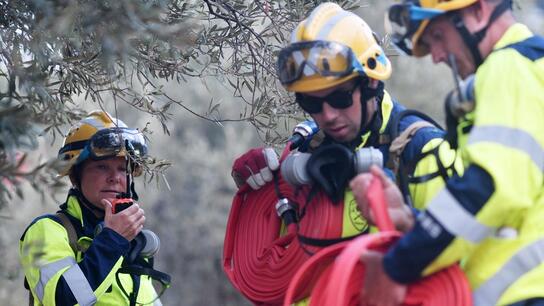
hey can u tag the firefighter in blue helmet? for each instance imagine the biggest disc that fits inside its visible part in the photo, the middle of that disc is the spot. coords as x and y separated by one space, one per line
490 218
85 254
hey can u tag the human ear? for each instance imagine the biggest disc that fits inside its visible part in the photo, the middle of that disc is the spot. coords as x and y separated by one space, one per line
479 13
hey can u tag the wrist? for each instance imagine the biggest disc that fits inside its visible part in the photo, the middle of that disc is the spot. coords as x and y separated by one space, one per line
407 222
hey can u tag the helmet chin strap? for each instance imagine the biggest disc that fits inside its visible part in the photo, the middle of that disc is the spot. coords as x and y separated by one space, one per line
472 40
131 190
368 93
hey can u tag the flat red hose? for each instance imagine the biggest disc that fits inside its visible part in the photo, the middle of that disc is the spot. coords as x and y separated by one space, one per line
342 274
260 263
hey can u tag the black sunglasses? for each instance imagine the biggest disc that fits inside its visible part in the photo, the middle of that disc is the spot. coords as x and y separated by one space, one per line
339 99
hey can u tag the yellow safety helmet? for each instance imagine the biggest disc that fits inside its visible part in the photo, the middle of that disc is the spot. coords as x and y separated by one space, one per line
99 136
329 47
407 22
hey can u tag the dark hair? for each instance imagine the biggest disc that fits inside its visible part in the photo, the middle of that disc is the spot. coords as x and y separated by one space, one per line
75 174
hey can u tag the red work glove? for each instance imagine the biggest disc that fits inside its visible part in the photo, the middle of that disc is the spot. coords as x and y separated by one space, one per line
255 167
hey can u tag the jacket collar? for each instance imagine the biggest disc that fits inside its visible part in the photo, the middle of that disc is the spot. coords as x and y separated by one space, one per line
80 212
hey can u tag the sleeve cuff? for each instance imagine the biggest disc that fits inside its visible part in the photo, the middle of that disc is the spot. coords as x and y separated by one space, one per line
393 269
117 243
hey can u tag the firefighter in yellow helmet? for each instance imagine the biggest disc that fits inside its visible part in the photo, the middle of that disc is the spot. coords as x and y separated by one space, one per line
86 253
336 67
491 216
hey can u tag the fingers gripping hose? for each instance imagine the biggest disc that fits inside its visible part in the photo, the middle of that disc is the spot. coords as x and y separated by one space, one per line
342 272
257 260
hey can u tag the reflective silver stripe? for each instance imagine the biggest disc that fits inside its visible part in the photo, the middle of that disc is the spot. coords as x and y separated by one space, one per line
157 303
299 57
100 124
48 271
94 122
456 219
310 18
525 260
510 137
79 285
294 34
327 27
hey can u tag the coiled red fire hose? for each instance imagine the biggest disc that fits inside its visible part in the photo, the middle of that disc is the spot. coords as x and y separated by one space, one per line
260 263
342 272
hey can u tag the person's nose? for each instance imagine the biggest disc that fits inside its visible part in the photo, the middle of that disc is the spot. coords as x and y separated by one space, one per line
115 177
438 54
328 113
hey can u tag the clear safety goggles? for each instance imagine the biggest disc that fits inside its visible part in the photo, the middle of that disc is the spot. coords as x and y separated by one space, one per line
325 58
403 20
114 142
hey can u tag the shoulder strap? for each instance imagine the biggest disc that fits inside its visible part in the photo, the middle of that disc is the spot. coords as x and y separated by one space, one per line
399 140
399 143
71 230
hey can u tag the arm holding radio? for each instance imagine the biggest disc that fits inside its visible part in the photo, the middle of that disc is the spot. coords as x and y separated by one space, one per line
127 223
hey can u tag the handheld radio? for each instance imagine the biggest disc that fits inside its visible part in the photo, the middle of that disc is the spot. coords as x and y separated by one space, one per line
124 200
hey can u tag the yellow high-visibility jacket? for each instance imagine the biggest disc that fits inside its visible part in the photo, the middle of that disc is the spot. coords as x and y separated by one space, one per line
415 155
492 216
57 276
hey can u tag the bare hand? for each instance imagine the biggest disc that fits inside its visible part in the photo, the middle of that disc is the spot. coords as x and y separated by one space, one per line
127 223
379 289
400 214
